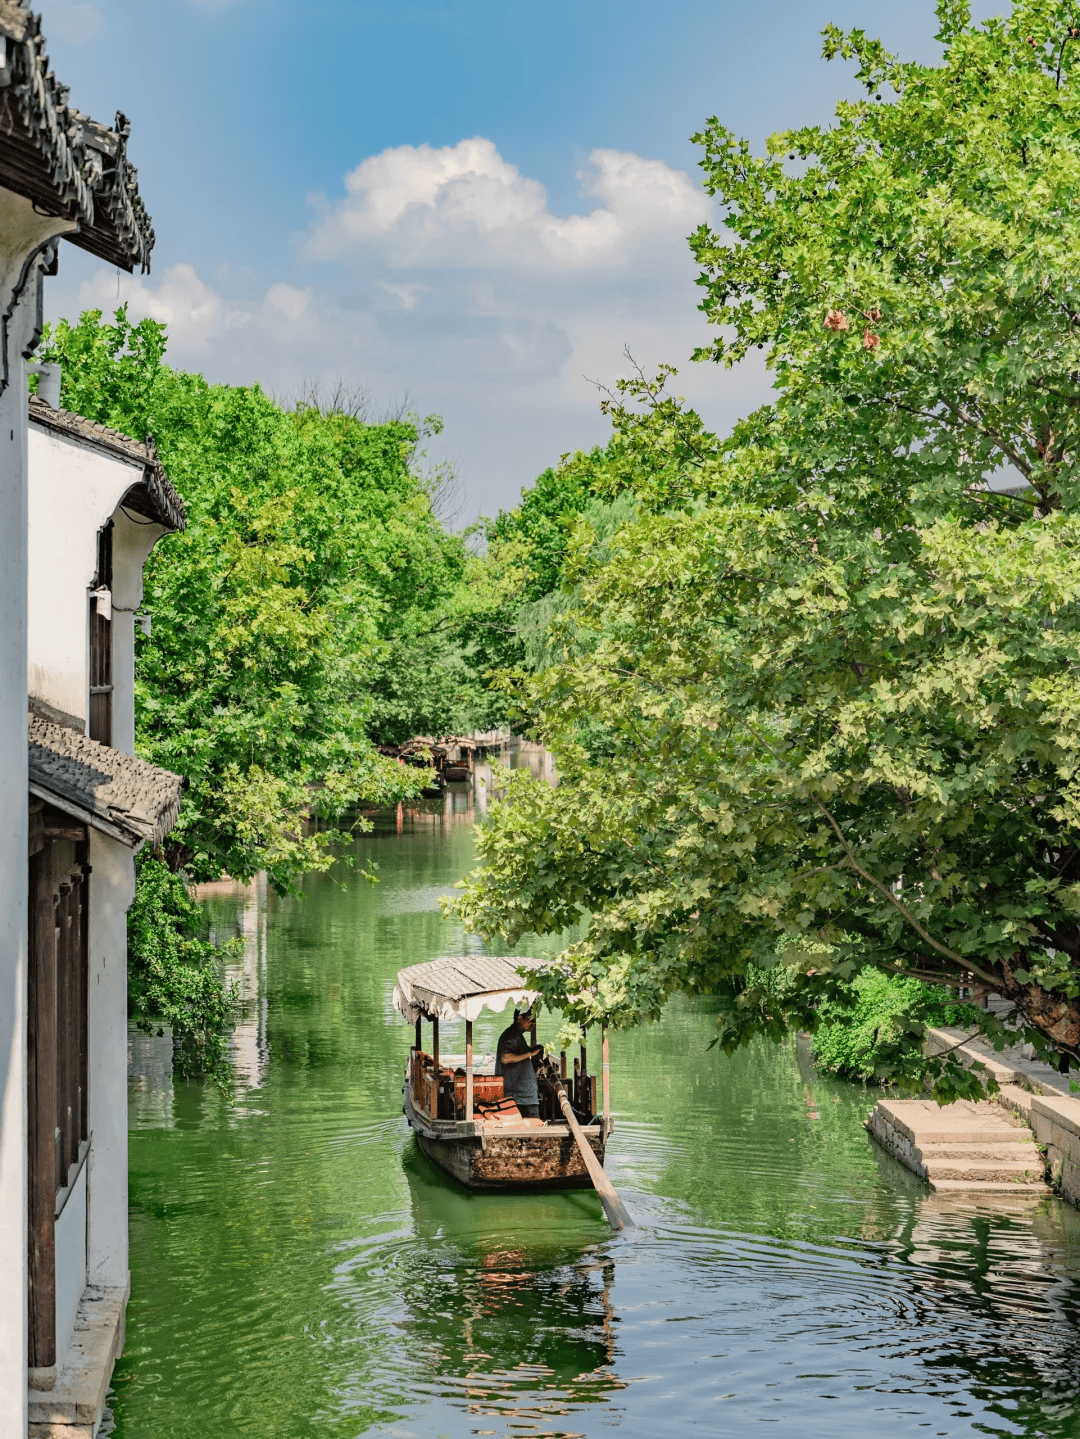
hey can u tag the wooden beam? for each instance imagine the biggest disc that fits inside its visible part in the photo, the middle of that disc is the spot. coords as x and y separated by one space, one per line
435 1058
96 821
76 833
65 1006
84 1005
41 1084
607 1078
468 1070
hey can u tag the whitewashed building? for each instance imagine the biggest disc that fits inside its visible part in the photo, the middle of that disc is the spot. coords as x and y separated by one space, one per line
63 176
98 502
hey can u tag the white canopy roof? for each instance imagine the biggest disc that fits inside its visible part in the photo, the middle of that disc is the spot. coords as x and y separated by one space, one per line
449 989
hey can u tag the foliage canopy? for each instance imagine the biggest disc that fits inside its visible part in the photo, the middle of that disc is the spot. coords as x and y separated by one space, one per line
174 975
838 674
292 621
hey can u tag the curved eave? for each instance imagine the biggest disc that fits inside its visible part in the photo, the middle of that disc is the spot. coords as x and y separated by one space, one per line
154 498
65 163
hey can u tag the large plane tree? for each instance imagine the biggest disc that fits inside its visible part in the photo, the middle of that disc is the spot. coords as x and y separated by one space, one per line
817 707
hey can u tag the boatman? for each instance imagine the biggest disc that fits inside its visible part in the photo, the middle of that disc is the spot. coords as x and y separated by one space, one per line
513 1060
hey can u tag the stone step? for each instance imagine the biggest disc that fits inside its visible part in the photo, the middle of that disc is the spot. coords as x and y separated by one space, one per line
928 1153
965 1150
1004 1170
923 1122
1002 1133
973 1188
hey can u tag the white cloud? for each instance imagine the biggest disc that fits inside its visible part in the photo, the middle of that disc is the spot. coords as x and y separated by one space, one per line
409 295
445 273
72 20
289 300
465 208
196 315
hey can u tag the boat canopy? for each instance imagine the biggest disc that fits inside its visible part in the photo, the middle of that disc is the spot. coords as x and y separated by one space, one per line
449 989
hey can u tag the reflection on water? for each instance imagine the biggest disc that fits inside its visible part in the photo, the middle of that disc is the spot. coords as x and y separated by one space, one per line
508 1313
300 1268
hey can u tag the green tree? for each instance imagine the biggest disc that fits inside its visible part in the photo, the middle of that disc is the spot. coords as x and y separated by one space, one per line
542 521
838 672
285 616
292 631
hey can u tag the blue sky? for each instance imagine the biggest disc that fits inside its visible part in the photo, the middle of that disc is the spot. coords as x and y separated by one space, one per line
478 205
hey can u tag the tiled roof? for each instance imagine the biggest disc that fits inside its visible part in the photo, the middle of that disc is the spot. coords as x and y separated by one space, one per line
165 505
118 793
62 160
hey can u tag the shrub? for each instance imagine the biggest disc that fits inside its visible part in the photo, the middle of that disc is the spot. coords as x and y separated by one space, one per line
871 1039
175 977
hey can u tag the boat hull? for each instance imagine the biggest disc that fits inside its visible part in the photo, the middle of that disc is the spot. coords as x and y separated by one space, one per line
485 1155
513 1161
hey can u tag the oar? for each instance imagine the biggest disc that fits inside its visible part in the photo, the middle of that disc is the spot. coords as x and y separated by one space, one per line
614 1208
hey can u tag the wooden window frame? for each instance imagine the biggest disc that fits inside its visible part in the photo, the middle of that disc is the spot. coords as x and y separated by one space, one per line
101 666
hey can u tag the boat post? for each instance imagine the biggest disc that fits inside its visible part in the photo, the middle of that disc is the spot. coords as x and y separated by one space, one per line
419 1035
468 1069
607 1080
435 1058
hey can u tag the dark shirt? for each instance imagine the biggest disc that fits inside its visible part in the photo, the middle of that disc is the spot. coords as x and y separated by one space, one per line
519 1080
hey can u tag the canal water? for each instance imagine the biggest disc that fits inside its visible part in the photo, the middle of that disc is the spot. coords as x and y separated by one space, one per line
299 1268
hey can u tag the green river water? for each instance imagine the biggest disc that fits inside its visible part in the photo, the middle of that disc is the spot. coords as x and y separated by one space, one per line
299 1268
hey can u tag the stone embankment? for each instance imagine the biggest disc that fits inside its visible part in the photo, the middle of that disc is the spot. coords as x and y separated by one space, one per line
1024 1142
961 1148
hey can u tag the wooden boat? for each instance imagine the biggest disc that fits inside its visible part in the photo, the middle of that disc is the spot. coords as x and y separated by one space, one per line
445 1095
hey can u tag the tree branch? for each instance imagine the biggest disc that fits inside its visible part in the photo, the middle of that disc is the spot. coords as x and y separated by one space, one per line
887 894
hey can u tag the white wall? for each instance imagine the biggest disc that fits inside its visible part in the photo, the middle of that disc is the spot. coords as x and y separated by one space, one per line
13 872
133 539
22 232
70 481
70 1264
112 888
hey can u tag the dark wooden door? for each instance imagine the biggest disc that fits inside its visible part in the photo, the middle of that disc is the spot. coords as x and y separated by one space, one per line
57 1061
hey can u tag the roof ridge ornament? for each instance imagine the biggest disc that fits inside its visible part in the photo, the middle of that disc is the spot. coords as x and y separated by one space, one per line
64 162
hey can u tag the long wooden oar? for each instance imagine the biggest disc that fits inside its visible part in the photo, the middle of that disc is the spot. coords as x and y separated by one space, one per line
614 1208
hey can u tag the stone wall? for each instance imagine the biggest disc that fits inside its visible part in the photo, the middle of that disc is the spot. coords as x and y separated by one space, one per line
897 1140
1055 1122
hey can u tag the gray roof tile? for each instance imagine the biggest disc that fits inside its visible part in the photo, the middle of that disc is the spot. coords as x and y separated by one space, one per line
62 160
118 791
471 974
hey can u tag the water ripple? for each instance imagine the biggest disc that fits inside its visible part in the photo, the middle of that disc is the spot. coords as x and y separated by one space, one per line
300 1269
